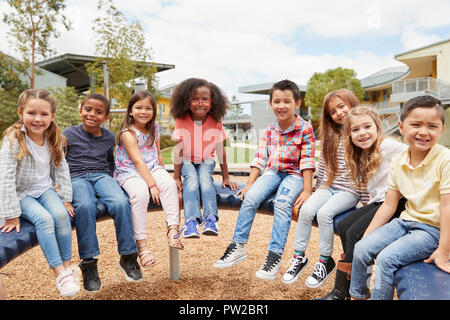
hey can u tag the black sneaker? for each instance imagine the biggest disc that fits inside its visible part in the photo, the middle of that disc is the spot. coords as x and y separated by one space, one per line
89 271
296 265
130 267
270 267
322 270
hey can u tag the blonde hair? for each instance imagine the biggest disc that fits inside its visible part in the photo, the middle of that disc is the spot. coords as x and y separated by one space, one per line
56 141
330 131
362 163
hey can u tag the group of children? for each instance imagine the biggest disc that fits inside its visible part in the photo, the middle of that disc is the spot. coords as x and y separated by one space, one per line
61 178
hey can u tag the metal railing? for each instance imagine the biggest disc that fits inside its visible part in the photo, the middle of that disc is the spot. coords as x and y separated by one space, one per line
425 84
391 122
383 105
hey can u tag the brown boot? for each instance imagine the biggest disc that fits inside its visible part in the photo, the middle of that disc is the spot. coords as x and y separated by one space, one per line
342 282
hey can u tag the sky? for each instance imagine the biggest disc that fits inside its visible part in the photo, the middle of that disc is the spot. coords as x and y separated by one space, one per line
238 43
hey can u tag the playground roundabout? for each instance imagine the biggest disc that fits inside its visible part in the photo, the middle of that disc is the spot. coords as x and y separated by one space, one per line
30 279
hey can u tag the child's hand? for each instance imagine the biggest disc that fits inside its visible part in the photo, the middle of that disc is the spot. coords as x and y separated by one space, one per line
10 225
302 197
179 184
154 191
243 191
231 184
69 209
440 260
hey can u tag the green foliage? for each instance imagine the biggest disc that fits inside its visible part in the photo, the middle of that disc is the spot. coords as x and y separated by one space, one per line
10 88
322 83
68 101
236 109
122 45
33 23
166 142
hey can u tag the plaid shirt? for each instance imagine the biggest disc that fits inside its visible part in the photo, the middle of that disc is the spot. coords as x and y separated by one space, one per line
17 177
289 151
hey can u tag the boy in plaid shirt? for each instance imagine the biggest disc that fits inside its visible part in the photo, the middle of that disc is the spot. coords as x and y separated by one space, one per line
286 155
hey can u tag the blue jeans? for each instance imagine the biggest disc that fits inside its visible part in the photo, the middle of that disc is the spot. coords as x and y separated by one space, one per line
52 222
325 203
288 187
394 245
198 181
88 189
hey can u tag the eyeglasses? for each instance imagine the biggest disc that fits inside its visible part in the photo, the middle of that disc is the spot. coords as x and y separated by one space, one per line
196 102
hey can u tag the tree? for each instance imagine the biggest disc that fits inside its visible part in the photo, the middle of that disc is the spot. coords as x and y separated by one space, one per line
11 86
33 23
67 100
235 111
322 83
123 48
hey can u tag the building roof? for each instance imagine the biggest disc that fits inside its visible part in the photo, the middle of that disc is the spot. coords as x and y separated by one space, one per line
264 88
385 76
72 67
421 48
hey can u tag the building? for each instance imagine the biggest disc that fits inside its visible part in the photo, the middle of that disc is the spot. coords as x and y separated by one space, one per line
43 78
165 120
73 68
426 71
261 113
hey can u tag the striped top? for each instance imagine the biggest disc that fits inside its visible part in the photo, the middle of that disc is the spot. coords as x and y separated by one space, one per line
290 151
341 179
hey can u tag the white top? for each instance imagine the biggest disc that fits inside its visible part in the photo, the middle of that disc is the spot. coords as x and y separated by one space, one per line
41 156
378 184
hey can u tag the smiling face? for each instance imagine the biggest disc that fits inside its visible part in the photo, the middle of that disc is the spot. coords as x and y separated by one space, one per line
422 129
200 103
93 114
363 131
337 109
37 116
142 112
283 106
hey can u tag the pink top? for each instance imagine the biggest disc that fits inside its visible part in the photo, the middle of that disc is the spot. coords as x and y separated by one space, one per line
199 139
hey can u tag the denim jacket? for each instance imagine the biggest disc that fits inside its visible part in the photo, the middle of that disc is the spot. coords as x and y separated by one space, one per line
17 177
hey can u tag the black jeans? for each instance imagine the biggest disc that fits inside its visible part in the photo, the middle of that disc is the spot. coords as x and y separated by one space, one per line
352 228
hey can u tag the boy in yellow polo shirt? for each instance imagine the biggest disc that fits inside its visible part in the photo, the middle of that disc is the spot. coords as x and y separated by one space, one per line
421 174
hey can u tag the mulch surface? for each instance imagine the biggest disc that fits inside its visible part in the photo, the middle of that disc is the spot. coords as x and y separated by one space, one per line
31 279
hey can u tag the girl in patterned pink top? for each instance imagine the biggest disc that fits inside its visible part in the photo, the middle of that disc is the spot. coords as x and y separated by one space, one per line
139 169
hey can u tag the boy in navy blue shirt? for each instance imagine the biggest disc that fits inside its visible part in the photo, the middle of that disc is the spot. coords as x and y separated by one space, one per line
91 162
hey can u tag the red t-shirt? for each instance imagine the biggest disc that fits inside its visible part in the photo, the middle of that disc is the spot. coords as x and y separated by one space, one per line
199 140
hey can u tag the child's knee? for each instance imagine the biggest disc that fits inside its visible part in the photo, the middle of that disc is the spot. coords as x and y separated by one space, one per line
361 251
324 217
306 213
85 208
141 196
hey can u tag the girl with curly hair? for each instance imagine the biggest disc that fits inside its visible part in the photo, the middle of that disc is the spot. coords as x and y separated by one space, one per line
368 156
333 193
198 107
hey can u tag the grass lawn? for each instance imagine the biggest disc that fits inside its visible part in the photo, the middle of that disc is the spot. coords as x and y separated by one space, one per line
234 155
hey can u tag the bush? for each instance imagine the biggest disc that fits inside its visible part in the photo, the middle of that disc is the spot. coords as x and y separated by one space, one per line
166 142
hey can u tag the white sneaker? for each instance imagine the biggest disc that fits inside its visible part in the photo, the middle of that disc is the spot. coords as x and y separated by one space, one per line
295 268
233 254
271 267
66 284
322 271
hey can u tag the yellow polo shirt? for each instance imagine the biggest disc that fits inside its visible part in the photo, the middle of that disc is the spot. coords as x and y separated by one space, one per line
423 185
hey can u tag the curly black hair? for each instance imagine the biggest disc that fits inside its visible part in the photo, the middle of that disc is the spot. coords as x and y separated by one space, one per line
183 92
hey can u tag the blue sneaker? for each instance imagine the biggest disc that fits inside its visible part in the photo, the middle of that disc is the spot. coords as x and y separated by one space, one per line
211 228
190 227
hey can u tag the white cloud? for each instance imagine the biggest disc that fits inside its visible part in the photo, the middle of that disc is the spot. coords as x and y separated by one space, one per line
413 39
236 43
